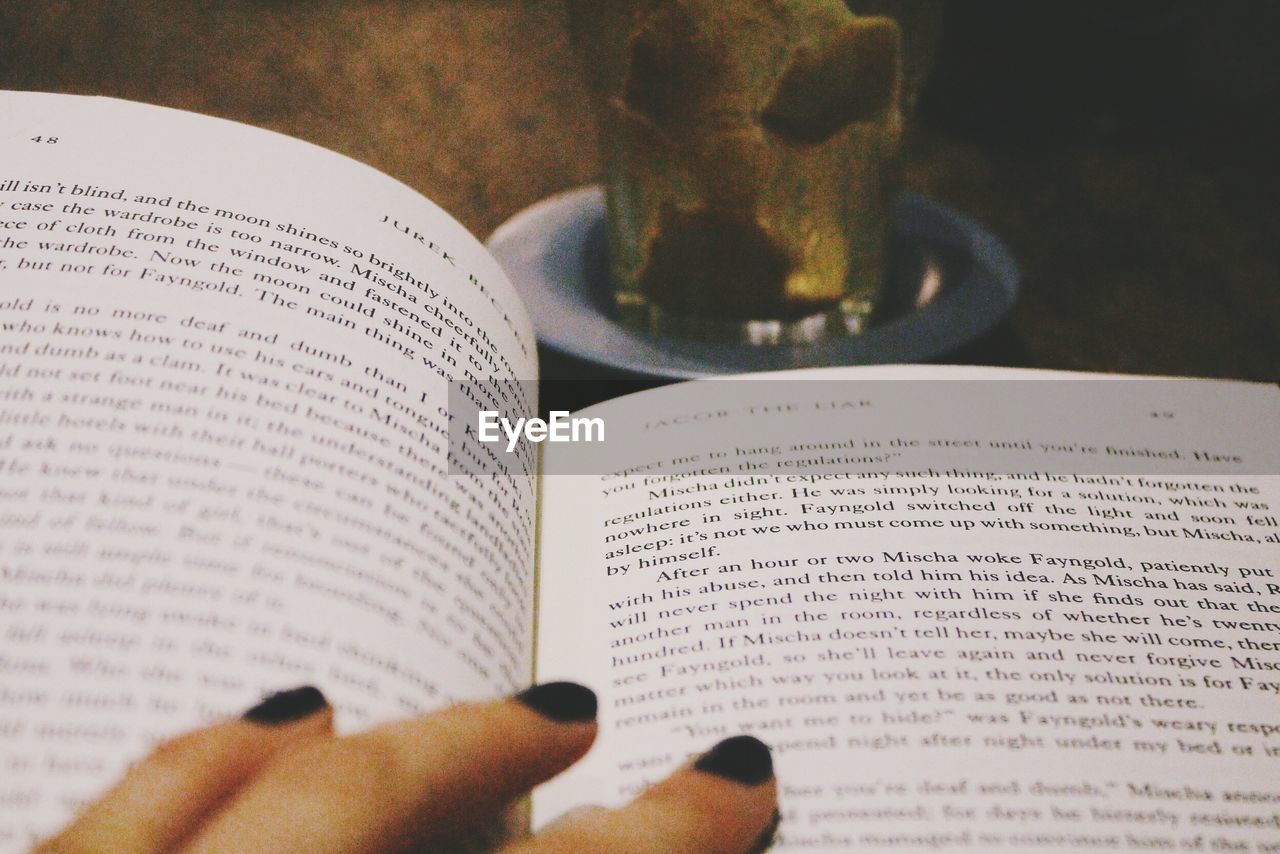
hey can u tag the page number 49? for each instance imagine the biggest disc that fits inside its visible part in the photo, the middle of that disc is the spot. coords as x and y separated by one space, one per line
46 140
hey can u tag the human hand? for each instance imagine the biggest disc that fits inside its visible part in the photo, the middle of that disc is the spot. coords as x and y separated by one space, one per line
278 779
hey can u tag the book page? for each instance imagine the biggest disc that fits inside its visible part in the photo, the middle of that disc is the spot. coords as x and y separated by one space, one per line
1065 639
223 422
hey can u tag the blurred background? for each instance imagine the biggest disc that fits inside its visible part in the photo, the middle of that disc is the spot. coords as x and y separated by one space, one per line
1125 152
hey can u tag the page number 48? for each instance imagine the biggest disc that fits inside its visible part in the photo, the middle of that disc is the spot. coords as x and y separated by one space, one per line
47 140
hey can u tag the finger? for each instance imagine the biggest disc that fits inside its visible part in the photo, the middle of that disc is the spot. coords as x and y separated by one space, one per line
417 782
164 797
586 812
725 801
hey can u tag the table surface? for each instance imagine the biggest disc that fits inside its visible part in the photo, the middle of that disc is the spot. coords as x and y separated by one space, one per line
1147 244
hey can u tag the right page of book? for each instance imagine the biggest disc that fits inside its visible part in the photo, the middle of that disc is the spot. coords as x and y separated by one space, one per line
968 609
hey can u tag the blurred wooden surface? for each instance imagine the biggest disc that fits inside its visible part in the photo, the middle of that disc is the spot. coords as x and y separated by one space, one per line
1149 248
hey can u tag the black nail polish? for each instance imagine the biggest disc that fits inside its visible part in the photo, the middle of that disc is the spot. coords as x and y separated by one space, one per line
742 759
562 702
768 836
287 706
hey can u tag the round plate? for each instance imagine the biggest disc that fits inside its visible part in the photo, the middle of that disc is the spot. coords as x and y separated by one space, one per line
556 254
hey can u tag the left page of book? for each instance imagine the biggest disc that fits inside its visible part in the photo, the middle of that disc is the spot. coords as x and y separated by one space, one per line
224 363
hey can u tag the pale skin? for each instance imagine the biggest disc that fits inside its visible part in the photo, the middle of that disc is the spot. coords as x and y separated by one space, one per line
419 784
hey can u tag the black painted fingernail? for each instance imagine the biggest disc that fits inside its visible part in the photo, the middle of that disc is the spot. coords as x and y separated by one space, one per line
287 706
769 836
742 759
563 702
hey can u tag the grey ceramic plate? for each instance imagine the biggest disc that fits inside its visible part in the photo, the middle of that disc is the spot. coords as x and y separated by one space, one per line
556 255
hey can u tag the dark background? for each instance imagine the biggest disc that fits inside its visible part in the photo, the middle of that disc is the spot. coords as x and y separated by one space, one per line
1124 151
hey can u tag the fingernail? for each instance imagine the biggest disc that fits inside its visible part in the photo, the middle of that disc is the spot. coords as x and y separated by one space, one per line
742 759
769 836
287 706
562 702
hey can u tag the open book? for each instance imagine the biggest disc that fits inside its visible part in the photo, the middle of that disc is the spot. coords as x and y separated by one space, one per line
225 427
